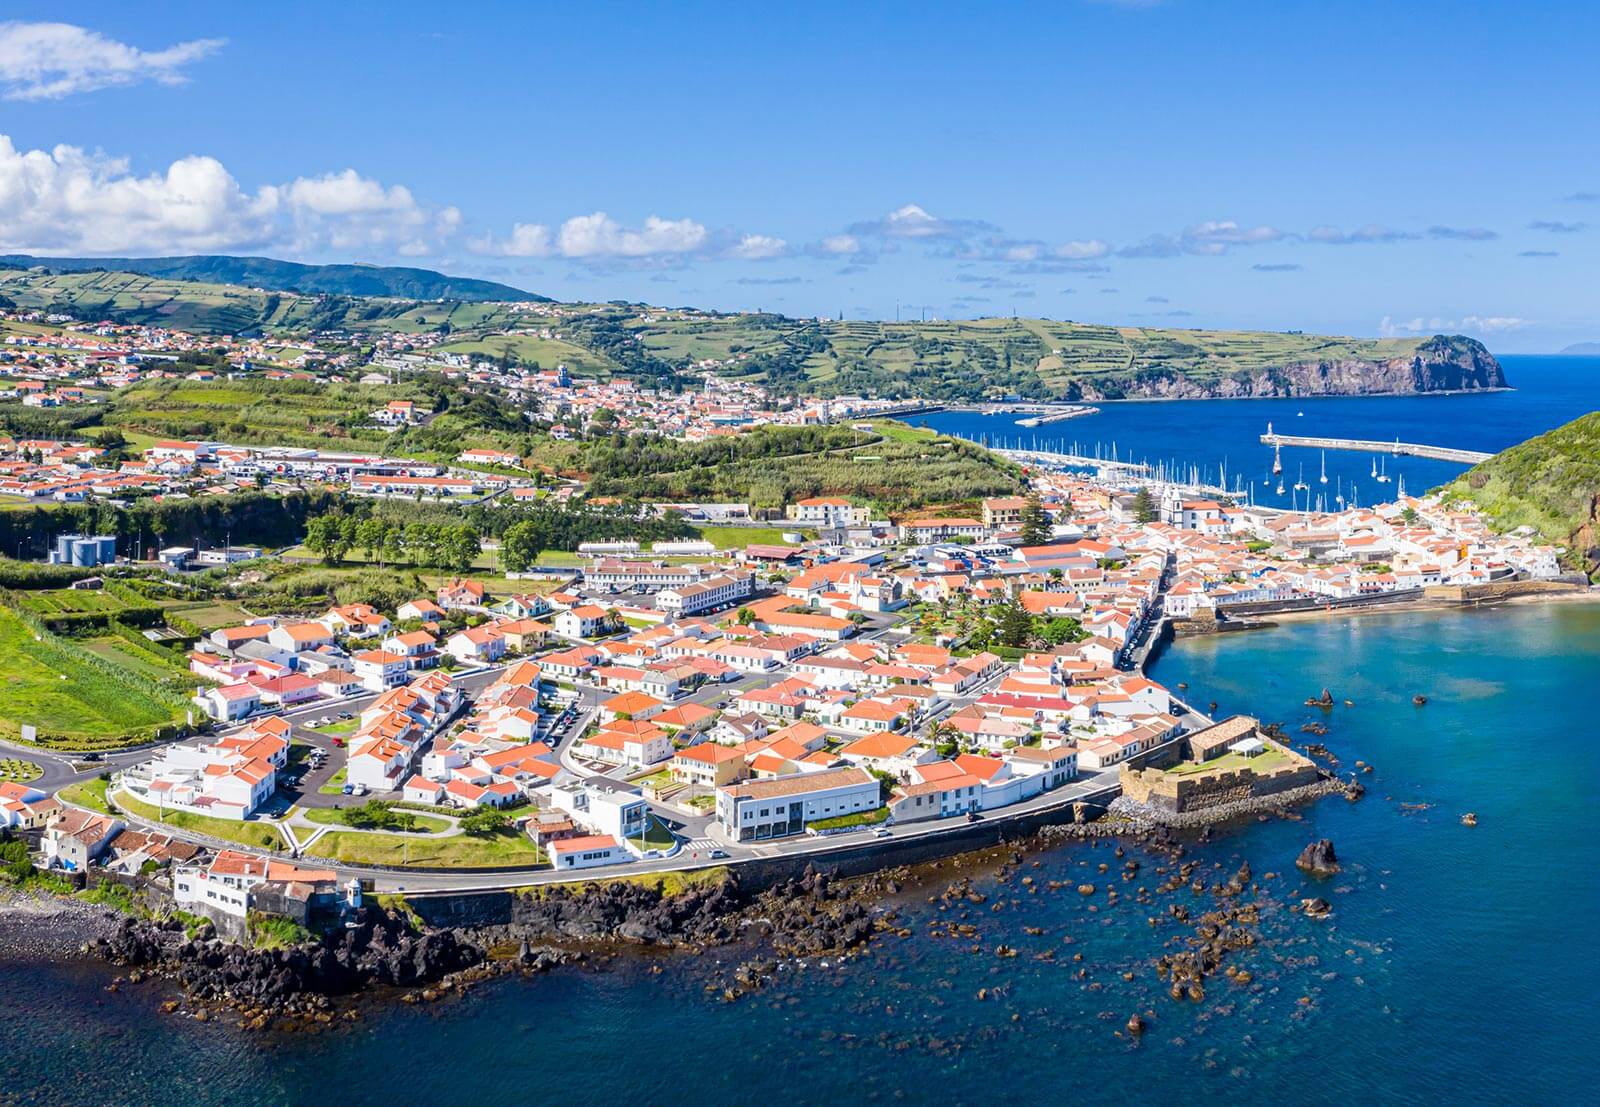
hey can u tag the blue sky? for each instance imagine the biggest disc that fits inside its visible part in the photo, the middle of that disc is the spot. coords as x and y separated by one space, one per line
1343 167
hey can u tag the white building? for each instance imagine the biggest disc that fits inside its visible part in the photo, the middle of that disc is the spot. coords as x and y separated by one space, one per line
783 805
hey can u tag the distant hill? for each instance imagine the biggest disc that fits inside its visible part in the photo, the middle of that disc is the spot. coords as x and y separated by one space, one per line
1551 483
1583 349
952 361
290 276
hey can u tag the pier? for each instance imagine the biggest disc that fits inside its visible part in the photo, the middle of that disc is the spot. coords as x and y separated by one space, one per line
1370 446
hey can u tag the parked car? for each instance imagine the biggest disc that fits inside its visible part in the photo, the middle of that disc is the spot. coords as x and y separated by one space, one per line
360 790
347 789
338 741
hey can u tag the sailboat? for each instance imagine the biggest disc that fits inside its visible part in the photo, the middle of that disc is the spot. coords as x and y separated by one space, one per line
1324 478
1277 458
1401 494
1280 486
1301 485
1374 468
1338 494
1383 475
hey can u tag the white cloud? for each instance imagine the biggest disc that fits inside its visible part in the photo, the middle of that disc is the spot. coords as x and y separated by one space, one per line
913 221
69 201
758 247
46 61
841 244
527 240
600 236
1080 250
1372 232
1468 324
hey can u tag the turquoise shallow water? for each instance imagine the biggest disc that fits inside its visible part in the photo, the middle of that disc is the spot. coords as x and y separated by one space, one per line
1460 965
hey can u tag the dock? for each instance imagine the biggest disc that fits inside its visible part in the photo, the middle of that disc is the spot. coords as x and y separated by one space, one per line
1371 446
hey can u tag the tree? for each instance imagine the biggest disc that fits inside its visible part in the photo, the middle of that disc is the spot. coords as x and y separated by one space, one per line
1035 523
1410 516
485 822
746 616
519 547
1144 506
370 535
1061 629
1013 625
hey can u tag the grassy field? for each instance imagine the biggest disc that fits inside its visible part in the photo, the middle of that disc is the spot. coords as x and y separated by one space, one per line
208 615
73 601
533 350
737 538
462 851
87 793
329 816
46 683
254 833
670 883
148 663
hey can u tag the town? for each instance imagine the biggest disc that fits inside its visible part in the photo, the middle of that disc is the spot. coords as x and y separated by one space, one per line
800 678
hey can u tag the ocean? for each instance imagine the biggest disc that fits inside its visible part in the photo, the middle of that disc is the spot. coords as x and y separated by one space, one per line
1221 438
1459 965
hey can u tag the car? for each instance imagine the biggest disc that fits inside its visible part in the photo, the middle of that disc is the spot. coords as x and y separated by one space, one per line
348 789
882 832
360 790
718 855
338 741
92 757
345 715
973 817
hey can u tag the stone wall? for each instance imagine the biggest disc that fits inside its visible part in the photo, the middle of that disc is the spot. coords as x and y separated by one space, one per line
1207 788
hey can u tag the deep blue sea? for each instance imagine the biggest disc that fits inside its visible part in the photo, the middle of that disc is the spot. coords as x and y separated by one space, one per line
1222 437
1460 965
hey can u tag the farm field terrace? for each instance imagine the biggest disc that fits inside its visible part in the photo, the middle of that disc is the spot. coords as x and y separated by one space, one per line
48 682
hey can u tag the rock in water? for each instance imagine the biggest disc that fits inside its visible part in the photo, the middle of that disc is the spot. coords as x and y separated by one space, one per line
1319 858
1135 1024
1316 908
1419 699
1469 819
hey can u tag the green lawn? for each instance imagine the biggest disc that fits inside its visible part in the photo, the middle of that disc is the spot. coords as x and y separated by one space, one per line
339 729
247 832
463 851
87 793
18 771
46 681
861 818
736 538
335 785
330 816
655 836
1262 762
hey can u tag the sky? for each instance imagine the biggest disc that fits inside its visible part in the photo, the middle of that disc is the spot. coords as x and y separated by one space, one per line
1350 168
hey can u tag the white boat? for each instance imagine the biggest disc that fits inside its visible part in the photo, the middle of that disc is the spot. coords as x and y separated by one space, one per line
1324 478
1280 486
1301 485
1383 475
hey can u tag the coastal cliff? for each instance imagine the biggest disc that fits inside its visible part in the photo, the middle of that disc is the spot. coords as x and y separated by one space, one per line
1443 363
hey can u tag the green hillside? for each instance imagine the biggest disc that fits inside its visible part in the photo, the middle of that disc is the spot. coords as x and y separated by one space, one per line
948 361
1550 483
290 276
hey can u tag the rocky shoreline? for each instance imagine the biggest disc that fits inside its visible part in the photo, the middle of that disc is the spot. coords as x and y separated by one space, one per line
1255 806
